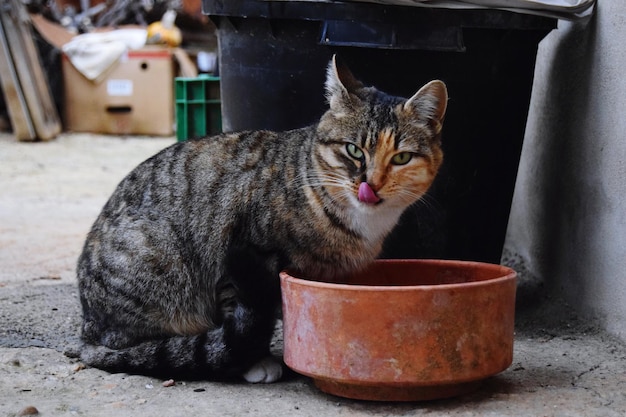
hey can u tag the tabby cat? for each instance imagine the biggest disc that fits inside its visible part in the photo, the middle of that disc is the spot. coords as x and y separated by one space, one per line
179 273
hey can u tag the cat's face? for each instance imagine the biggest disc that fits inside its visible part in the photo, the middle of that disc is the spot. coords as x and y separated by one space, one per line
376 150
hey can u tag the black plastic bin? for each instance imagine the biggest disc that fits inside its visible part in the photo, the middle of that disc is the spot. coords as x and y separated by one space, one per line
273 56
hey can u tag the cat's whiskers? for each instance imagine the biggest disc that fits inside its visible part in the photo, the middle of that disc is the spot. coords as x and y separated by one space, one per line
423 199
404 196
327 180
430 202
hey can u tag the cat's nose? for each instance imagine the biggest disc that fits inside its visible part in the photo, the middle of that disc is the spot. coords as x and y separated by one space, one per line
376 178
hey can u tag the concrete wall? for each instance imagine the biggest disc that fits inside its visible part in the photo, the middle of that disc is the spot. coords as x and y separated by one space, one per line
568 220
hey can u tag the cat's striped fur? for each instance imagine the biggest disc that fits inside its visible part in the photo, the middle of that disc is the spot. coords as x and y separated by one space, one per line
179 273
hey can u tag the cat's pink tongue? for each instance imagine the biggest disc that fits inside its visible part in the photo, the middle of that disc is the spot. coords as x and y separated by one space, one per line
367 195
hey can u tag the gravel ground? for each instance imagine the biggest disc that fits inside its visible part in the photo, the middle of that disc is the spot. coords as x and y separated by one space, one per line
50 193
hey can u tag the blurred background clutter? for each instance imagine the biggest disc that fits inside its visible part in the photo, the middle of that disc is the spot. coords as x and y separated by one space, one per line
95 66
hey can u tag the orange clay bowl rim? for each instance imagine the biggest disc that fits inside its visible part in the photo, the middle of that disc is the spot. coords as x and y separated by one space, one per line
507 272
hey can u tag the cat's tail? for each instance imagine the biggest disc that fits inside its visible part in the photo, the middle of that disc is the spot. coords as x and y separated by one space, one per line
203 356
175 356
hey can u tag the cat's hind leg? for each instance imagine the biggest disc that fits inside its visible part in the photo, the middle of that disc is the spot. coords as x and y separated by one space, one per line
238 348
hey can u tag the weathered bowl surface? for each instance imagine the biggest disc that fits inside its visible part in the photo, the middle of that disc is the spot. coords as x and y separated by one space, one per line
404 330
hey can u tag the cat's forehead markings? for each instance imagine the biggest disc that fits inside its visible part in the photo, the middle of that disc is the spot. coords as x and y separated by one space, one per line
386 139
367 141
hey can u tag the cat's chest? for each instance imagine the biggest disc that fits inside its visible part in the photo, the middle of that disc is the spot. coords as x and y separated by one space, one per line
373 224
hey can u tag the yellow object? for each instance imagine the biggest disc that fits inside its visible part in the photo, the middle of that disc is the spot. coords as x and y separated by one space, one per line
164 31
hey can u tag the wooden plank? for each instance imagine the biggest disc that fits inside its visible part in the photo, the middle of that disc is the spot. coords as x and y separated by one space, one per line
23 129
186 65
19 36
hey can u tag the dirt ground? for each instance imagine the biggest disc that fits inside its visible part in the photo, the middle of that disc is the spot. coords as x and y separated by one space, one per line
50 193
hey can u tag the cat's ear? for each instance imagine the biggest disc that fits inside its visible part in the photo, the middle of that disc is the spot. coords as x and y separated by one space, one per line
430 102
340 84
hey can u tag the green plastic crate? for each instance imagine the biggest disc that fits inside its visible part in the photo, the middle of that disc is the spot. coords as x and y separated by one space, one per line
198 107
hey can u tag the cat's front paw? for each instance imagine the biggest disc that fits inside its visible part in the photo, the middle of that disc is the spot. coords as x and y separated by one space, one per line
267 370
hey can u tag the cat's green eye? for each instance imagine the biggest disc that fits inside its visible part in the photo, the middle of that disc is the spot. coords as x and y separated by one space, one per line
354 151
402 158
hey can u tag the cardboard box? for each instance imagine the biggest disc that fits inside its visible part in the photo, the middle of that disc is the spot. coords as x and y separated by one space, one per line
133 97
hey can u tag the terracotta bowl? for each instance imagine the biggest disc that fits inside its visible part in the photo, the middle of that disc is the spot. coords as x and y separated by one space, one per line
403 330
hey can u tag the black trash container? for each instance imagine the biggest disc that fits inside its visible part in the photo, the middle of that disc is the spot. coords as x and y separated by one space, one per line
273 56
